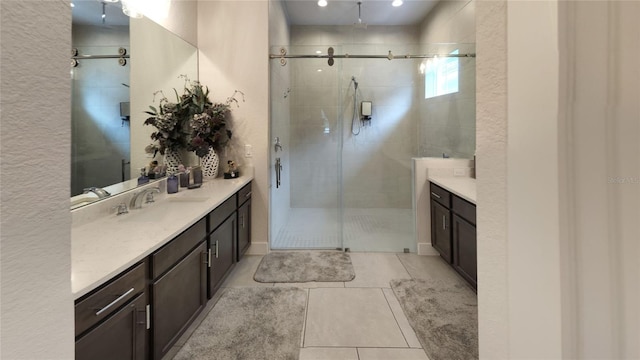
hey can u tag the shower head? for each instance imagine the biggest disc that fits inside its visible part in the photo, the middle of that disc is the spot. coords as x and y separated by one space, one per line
360 24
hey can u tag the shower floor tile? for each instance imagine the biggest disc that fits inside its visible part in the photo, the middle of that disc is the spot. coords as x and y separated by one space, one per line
387 230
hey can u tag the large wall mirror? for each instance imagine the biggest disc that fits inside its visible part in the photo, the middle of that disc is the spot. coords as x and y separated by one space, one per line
117 64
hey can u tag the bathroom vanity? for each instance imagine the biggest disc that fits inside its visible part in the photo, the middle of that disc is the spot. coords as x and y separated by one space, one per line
453 224
141 279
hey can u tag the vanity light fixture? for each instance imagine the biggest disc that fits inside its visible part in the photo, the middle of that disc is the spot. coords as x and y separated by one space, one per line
322 3
397 3
131 9
72 4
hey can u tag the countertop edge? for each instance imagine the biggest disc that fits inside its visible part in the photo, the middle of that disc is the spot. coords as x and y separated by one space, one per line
460 186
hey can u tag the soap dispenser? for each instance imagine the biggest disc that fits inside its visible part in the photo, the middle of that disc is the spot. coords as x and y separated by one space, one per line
143 179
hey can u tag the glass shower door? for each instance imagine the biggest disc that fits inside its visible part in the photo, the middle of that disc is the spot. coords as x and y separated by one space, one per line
306 133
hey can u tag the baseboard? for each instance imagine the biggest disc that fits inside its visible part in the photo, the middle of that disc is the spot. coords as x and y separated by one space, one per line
258 248
427 249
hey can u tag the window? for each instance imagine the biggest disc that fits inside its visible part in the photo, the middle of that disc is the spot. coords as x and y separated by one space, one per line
441 76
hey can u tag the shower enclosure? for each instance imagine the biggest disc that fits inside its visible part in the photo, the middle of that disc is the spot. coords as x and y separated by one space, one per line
346 134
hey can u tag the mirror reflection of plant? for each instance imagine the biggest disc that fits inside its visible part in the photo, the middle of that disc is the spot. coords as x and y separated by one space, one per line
209 124
172 123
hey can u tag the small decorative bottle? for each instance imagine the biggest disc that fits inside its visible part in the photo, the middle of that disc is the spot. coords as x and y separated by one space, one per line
143 179
197 175
172 184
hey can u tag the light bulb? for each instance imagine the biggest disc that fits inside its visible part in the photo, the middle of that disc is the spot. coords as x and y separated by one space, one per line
322 3
397 3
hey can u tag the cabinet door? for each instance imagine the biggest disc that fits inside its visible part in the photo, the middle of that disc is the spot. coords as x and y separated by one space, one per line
178 297
222 246
244 228
464 250
121 336
441 230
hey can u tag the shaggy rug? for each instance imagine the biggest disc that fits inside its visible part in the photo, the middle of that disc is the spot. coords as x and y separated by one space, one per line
248 324
443 315
305 266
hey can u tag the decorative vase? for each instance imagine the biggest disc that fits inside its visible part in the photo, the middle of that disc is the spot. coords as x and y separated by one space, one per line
172 159
210 164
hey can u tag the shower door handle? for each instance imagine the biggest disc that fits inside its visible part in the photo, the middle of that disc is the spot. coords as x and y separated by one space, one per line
278 171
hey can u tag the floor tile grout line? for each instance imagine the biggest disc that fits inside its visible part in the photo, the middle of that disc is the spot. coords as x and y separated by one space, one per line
405 268
306 315
395 318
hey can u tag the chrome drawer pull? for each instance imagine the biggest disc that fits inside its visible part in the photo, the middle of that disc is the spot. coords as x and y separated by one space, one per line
444 223
436 195
114 302
247 194
216 249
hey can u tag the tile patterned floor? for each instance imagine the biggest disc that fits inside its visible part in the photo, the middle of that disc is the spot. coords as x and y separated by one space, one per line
356 320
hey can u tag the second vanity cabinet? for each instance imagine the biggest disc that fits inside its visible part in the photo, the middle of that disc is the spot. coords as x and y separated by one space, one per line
244 220
453 232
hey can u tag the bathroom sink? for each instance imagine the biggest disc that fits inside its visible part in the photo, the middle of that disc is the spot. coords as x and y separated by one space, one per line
81 200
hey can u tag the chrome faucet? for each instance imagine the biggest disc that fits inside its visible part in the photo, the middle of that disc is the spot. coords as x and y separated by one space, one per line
136 200
102 193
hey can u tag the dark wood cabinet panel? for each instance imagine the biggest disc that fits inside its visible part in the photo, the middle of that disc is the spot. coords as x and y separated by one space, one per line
177 248
121 336
440 195
178 297
441 230
98 305
244 228
222 246
465 250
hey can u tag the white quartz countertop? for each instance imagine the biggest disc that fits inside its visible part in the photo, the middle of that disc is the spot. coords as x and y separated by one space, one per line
103 248
464 187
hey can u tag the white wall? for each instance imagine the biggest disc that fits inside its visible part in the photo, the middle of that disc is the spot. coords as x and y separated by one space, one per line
178 16
601 93
234 45
558 149
37 306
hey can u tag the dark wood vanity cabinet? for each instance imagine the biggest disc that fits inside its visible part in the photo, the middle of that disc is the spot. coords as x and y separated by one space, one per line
453 232
244 220
179 286
142 312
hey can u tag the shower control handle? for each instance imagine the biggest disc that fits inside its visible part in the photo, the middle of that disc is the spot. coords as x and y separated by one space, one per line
278 167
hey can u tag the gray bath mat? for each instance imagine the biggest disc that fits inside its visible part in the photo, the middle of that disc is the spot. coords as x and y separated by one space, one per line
305 266
248 324
443 315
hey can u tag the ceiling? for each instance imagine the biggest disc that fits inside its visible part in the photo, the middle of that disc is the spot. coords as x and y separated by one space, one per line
373 12
300 12
89 12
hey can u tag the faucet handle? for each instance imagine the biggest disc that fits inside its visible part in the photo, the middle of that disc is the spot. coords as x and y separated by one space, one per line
121 208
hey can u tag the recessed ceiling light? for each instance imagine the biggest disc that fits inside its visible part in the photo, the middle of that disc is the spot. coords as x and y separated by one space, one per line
72 4
319 70
322 3
318 52
397 3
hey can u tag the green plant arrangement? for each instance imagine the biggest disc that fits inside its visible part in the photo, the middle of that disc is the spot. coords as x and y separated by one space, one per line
171 120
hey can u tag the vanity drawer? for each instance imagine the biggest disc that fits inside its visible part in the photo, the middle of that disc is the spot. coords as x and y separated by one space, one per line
171 253
440 195
222 212
244 194
100 304
464 209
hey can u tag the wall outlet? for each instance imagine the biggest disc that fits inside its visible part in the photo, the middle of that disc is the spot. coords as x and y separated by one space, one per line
248 151
458 172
